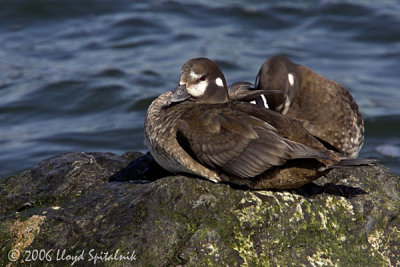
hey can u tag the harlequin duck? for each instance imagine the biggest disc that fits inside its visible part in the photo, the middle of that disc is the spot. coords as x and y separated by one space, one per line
325 108
197 129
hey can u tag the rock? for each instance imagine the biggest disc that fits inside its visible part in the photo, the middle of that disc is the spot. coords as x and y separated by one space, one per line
65 210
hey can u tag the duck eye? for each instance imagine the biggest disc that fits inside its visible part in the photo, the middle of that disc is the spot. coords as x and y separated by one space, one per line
203 78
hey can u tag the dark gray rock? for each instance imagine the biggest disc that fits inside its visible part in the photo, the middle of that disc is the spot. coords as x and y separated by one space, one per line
67 204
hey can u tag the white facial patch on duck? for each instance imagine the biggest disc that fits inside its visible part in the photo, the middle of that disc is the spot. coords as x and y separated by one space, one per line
219 82
197 89
194 75
291 79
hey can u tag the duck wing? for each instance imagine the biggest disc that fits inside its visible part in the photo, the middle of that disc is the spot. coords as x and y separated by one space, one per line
235 142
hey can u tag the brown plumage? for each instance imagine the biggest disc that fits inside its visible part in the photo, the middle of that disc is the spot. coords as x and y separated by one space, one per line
196 129
325 108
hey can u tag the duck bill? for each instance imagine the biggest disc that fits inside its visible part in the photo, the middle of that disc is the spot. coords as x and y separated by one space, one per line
249 94
179 94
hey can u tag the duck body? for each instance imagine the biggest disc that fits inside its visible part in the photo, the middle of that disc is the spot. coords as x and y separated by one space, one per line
325 108
196 129
197 139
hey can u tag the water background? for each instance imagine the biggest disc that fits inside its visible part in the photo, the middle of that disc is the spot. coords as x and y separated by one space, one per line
79 75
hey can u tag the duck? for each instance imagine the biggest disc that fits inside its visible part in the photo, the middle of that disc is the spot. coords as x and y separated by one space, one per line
197 129
324 107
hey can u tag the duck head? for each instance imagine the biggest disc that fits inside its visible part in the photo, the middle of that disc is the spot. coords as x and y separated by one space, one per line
201 81
279 74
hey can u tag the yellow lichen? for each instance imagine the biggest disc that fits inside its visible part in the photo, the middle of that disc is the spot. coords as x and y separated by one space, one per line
298 214
320 258
23 233
251 213
334 203
251 217
245 248
376 239
324 220
212 250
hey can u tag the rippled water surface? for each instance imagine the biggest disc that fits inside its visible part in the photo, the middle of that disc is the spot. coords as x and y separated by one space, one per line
79 75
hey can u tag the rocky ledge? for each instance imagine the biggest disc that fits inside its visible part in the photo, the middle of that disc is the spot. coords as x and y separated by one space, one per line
66 211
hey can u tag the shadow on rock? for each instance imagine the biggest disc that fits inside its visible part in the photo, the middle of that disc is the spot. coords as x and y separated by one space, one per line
142 169
311 189
145 169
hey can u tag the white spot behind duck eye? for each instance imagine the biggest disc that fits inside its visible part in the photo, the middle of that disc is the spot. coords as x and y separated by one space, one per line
291 79
198 89
219 82
253 102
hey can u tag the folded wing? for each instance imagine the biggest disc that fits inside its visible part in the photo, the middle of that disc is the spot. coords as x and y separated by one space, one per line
237 143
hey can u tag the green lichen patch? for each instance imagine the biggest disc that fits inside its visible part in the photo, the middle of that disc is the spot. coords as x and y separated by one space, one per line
289 223
351 219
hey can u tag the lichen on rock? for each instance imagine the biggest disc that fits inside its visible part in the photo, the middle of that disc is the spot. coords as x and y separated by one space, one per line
348 218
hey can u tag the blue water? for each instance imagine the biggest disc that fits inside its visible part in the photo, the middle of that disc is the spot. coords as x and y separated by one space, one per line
79 75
